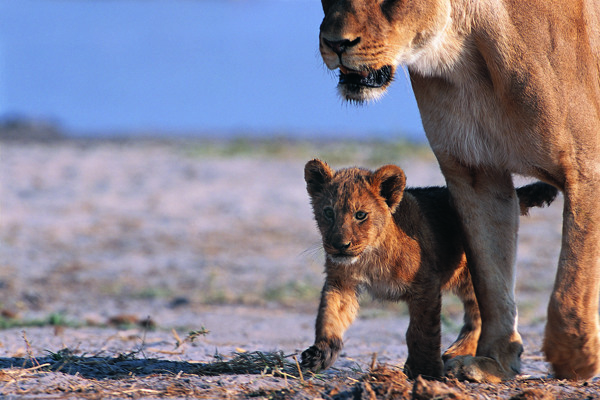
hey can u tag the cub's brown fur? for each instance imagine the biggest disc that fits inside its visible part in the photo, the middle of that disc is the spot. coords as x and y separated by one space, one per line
503 87
398 244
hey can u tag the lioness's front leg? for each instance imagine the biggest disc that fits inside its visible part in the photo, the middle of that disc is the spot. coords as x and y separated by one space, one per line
338 308
571 343
423 337
487 204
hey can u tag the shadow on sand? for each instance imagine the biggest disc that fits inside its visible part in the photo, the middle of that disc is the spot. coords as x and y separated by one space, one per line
95 367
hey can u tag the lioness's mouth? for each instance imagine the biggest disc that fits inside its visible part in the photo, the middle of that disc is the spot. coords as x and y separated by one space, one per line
371 79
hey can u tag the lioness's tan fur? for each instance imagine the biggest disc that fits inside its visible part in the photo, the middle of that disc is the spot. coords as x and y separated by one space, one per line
503 87
398 245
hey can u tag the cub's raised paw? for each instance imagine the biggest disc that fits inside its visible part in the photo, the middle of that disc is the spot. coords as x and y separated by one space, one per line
319 357
476 369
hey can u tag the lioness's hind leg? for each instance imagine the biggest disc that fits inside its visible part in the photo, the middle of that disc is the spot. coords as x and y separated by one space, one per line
466 342
571 342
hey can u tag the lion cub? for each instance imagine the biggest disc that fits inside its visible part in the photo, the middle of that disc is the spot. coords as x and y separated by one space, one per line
398 244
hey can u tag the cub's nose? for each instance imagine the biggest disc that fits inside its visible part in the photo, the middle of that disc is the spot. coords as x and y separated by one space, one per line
340 46
341 245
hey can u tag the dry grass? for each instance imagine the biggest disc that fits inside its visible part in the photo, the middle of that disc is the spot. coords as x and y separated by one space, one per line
277 376
62 373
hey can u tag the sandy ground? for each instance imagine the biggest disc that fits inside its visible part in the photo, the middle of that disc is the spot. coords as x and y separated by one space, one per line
121 248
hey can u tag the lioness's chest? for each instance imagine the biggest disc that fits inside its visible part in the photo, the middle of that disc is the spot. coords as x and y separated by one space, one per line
471 124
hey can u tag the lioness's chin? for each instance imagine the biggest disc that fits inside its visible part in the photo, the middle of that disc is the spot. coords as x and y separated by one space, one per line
363 87
360 95
342 260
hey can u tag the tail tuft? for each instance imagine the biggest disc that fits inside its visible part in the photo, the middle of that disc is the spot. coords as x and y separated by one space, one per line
538 194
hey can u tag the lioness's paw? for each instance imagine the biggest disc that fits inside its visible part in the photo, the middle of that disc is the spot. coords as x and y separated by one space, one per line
319 357
476 369
571 361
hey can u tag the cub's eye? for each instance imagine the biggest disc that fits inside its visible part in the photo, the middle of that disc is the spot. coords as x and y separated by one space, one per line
360 215
328 212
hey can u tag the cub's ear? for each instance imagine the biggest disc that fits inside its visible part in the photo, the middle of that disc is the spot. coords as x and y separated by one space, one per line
316 174
390 180
326 5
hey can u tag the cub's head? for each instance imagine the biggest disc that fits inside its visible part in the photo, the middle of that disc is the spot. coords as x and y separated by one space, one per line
353 207
368 39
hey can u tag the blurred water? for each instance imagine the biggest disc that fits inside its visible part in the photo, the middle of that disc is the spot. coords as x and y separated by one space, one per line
204 66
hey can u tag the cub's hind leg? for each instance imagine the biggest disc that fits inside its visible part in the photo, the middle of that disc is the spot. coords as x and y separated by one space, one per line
466 342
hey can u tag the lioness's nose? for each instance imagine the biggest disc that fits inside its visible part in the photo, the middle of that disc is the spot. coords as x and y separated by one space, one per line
340 46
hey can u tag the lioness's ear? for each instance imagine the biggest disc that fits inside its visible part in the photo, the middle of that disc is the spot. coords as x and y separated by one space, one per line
316 174
390 180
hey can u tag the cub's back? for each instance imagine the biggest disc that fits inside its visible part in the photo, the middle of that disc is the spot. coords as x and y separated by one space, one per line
431 217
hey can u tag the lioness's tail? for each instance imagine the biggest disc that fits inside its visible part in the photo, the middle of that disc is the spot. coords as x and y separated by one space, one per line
537 194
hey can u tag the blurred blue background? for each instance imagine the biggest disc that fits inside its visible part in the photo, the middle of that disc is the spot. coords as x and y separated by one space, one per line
204 67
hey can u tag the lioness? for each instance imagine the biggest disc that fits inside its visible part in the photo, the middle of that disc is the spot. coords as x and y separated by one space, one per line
503 87
399 245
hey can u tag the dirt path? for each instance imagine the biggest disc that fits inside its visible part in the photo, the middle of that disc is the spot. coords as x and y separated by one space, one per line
112 252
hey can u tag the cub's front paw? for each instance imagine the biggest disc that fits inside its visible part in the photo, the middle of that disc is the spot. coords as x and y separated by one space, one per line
321 355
